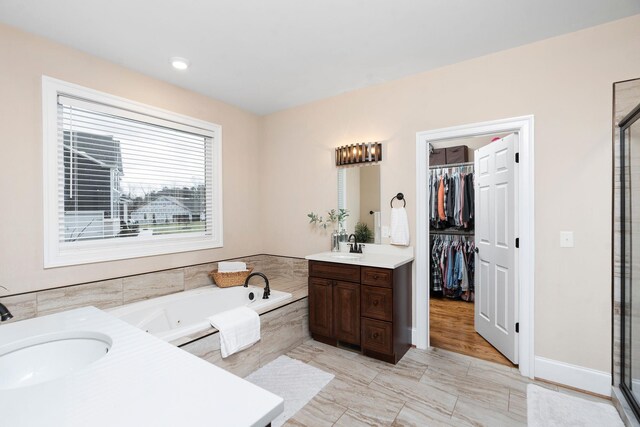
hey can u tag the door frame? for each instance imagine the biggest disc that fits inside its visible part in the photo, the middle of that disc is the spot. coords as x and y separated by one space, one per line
524 126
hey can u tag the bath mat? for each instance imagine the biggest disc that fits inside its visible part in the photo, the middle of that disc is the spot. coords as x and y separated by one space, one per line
550 408
296 382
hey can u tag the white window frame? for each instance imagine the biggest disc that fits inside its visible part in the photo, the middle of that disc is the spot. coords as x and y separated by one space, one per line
57 254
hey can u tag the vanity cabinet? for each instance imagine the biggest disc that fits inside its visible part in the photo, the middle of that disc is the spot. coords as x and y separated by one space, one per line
367 308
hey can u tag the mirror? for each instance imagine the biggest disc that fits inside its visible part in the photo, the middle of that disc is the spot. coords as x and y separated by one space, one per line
359 192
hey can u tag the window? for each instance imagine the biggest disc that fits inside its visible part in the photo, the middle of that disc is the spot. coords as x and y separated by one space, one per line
124 180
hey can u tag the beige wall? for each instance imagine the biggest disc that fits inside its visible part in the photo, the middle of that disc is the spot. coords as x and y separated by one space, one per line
566 82
25 59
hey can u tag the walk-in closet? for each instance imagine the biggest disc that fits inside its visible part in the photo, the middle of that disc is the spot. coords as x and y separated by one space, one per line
453 255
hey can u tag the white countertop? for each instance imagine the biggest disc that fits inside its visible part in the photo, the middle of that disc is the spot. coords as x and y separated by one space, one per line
368 259
141 381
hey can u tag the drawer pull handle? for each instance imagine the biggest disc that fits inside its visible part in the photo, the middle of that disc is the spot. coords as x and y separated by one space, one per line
375 335
375 277
375 303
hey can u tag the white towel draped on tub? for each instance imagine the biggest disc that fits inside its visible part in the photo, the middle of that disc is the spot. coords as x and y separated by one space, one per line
239 329
399 227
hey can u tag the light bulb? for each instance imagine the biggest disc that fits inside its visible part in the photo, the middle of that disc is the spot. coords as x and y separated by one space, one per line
179 63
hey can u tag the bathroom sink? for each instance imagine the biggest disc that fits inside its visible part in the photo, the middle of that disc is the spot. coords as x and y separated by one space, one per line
346 256
47 357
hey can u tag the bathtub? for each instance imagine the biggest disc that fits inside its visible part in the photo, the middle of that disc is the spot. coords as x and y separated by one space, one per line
174 316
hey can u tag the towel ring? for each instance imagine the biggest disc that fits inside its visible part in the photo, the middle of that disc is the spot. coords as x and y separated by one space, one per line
399 196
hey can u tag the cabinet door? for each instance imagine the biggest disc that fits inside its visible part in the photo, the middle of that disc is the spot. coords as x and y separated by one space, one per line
321 307
346 303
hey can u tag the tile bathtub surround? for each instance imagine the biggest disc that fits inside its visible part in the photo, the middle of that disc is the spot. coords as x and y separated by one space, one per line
151 285
282 330
21 306
427 387
287 274
105 294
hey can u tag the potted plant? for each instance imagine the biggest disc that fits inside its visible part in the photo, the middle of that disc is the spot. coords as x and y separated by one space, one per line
333 217
363 233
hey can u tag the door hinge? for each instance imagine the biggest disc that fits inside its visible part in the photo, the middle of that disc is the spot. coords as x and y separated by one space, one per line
517 242
517 327
517 157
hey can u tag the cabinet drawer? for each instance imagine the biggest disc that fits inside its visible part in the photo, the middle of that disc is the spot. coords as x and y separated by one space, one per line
330 270
377 336
377 303
377 277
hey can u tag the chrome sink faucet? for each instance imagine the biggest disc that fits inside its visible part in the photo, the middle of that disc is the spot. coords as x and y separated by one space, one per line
354 247
267 291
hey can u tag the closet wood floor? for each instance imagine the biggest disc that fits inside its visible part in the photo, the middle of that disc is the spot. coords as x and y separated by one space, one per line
451 328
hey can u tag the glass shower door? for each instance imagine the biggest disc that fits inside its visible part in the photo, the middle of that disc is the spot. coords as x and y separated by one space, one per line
630 245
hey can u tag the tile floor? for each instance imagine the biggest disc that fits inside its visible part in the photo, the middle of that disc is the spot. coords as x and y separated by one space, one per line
426 388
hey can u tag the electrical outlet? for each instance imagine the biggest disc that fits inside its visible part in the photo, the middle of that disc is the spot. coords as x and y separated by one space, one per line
566 239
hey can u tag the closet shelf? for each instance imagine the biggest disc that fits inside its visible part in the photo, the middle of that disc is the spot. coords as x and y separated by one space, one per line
452 232
451 165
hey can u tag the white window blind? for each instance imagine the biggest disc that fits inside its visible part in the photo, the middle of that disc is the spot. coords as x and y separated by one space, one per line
130 179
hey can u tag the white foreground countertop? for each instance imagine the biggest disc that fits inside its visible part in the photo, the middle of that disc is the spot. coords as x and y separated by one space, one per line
381 256
141 381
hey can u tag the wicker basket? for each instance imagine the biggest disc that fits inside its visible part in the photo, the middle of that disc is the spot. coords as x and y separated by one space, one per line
227 280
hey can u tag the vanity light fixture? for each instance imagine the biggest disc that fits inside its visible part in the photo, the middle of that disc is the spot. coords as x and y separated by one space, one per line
179 63
364 152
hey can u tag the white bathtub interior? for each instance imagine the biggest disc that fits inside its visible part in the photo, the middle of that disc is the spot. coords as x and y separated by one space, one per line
174 316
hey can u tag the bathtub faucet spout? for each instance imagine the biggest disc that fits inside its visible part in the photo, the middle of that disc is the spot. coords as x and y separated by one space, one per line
5 314
267 291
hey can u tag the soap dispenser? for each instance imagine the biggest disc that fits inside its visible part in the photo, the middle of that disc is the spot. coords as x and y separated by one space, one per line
335 241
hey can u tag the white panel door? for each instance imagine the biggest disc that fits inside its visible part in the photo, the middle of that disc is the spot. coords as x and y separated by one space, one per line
496 287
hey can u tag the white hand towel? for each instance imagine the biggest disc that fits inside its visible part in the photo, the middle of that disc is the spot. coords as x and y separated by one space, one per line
376 228
231 266
399 227
239 329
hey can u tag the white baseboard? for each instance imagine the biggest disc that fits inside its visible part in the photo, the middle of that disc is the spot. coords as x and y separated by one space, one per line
413 337
573 376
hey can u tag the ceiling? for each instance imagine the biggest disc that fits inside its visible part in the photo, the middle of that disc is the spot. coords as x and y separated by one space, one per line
264 56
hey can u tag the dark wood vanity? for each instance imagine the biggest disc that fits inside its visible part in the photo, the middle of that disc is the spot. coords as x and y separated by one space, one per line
365 308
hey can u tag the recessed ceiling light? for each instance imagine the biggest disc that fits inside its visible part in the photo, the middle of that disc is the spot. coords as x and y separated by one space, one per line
179 63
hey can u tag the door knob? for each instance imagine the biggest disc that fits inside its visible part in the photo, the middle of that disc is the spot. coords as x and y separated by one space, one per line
477 250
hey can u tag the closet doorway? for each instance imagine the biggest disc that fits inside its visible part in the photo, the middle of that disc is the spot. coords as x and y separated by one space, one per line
472 198
474 250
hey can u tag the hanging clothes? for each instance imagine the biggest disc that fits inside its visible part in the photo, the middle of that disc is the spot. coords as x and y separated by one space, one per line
451 198
452 266
468 197
441 200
